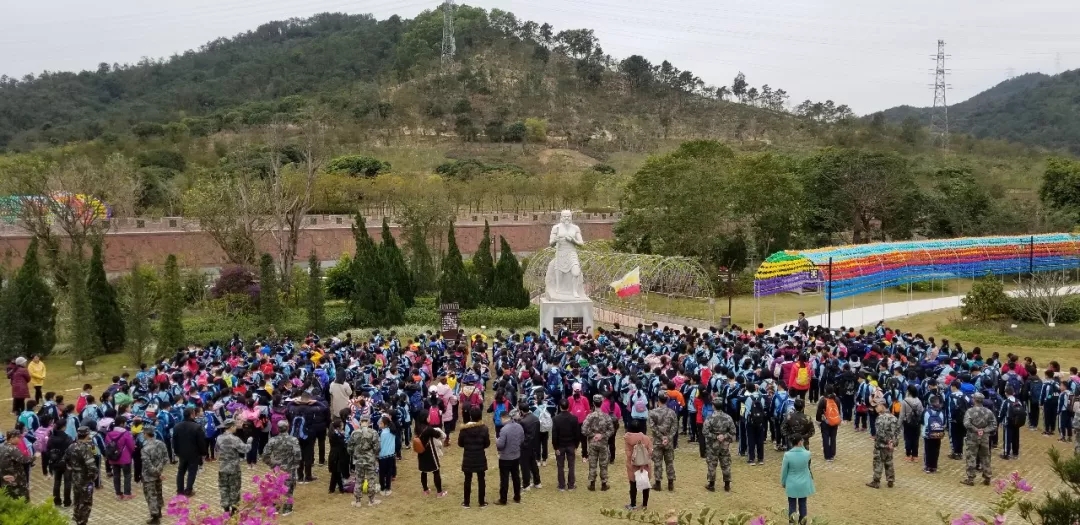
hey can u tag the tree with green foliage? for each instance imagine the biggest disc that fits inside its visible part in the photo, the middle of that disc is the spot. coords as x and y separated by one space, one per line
316 296
358 165
1061 185
372 284
108 321
137 308
269 302
84 340
396 268
27 313
455 283
171 331
395 309
483 266
508 289
421 264
986 300
21 511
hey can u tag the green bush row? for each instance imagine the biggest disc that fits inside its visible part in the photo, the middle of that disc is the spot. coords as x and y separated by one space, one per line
984 337
482 316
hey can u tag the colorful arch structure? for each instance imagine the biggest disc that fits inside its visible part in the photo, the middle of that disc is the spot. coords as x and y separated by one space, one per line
78 206
858 269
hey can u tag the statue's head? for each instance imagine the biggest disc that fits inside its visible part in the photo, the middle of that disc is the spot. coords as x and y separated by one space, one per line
564 217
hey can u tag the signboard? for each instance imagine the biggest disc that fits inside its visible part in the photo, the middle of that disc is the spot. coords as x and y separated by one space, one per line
574 324
448 320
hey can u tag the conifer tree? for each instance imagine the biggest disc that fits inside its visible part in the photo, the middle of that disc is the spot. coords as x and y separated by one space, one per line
137 310
508 289
455 284
84 341
316 296
108 320
171 332
269 303
370 295
484 267
396 269
395 309
421 264
27 312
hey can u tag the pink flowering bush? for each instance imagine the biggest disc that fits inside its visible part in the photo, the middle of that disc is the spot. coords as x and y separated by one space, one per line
707 516
256 508
1010 492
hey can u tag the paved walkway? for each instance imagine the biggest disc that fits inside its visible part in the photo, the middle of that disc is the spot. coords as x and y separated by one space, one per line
870 315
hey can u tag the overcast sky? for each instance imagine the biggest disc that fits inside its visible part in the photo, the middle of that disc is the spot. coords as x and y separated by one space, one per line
869 55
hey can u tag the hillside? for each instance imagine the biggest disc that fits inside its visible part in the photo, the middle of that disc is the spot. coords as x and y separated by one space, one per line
1033 109
387 75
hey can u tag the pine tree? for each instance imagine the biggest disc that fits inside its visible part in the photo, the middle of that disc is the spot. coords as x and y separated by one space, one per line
27 312
395 309
455 284
370 296
508 289
484 267
137 310
84 340
421 264
108 320
316 296
269 302
171 336
395 266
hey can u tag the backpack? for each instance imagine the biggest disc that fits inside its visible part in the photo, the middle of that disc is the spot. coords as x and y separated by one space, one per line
418 445
211 426
42 439
434 417
545 419
1017 414
275 418
56 458
757 412
30 421
674 405
416 401
959 408
639 457
935 425
500 409
112 451
605 386
641 403
895 409
553 384
802 377
832 413
707 410
299 427
914 413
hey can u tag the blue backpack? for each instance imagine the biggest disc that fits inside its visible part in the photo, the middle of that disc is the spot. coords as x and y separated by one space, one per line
211 425
553 385
299 428
707 410
416 401
500 409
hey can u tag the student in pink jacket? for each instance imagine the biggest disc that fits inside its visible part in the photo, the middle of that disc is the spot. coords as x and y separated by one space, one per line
579 407
125 444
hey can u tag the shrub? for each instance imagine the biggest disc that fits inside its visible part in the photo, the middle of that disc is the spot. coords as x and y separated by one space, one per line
234 280
161 158
1069 313
985 300
339 278
924 286
23 513
357 165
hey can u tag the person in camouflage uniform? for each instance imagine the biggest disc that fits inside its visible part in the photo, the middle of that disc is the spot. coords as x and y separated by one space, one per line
718 431
663 426
979 421
597 428
80 462
888 434
154 459
283 451
13 467
363 448
230 450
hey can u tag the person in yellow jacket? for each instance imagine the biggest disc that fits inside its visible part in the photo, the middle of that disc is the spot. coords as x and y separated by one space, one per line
37 376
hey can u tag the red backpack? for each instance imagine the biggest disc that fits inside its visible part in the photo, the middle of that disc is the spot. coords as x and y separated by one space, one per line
434 416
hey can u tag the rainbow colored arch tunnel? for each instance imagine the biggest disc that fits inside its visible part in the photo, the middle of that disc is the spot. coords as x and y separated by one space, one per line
858 269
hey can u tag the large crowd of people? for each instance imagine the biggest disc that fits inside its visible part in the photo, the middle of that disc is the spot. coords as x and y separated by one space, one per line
726 391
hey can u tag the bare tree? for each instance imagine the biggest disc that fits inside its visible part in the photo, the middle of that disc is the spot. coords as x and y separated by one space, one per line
290 191
232 210
1043 295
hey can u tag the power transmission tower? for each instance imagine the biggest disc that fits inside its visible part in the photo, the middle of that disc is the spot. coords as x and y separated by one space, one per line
939 116
449 45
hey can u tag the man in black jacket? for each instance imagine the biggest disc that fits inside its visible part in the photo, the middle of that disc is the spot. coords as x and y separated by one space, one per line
308 417
530 448
565 436
189 444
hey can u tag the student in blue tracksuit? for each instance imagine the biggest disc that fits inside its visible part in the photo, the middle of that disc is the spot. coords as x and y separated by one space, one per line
1051 389
1065 414
862 404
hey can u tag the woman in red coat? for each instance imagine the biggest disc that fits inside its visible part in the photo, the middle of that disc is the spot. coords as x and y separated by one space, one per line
20 386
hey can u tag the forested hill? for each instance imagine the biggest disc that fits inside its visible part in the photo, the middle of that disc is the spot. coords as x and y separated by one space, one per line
387 72
1034 109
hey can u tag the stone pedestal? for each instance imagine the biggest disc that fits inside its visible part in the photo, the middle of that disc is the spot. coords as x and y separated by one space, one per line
577 311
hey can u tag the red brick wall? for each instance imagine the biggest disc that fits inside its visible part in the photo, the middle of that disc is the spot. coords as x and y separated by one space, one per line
196 249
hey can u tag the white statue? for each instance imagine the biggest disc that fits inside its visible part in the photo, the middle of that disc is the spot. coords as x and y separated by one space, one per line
564 281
